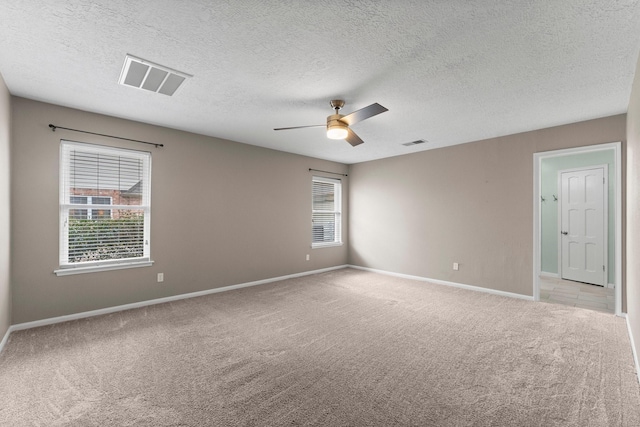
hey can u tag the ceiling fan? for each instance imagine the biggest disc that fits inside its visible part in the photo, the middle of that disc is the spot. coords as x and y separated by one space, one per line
338 124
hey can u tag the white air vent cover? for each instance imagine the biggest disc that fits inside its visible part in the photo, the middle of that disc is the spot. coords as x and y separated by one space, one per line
143 74
416 142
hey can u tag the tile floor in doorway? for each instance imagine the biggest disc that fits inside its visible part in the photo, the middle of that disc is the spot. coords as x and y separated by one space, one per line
576 294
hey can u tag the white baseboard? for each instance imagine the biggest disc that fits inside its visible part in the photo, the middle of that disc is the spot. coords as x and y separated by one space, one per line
108 310
633 346
446 283
5 339
547 274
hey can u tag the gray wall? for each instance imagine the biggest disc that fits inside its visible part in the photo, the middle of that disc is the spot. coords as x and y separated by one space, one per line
223 213
5 199
472 204
633 210
549 209
226 213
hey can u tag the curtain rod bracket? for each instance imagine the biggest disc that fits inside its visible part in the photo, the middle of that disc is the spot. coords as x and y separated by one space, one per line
54 127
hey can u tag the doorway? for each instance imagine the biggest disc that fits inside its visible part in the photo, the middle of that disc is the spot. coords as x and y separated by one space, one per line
547 246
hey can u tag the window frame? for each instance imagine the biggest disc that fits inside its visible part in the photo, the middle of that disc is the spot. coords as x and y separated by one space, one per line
65 207
337 212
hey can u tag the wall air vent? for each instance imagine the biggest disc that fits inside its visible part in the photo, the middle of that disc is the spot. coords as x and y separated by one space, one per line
143 74
416 142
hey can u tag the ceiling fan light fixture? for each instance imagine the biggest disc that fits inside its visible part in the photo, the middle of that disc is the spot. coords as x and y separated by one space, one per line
338 124
337 129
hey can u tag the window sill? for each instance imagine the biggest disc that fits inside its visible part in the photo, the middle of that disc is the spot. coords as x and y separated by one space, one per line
325 245
96 268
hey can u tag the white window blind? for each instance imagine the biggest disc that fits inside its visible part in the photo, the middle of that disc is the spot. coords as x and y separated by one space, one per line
326 212
105 205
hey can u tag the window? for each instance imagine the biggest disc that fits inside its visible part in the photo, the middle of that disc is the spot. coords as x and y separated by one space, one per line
326 212
104 208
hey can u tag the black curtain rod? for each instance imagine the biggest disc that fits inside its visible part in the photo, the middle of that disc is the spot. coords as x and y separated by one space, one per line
334 173
54 127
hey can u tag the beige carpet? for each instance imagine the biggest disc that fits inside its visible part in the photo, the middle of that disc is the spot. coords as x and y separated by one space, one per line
344 348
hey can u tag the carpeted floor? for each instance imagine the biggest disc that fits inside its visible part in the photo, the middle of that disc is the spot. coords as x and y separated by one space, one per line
343 348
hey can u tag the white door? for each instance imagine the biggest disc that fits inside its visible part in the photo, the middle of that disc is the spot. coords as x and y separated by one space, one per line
583 225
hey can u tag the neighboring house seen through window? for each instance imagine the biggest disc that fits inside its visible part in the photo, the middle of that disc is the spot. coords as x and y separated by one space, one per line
104 207
326 212
99 213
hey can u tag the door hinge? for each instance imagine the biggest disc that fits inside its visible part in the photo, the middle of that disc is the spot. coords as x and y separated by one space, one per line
603 268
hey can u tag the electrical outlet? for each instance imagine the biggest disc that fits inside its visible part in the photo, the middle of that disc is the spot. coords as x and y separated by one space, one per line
456 266
160 277
307 257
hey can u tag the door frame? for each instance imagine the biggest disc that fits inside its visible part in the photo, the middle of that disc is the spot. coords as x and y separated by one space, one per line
616 147
605 214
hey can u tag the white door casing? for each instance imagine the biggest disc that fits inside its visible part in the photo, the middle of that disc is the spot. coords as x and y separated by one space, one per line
583 224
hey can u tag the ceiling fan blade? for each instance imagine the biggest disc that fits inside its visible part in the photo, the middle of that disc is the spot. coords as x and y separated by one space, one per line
352 138
300 127
363 113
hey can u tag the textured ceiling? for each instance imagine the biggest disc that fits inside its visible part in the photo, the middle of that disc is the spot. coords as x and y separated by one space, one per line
449 71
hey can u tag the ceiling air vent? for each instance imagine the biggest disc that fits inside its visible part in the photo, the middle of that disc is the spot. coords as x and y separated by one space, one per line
416 142
143 74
